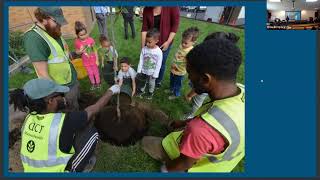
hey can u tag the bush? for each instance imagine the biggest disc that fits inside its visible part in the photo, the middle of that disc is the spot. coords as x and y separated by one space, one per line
16 49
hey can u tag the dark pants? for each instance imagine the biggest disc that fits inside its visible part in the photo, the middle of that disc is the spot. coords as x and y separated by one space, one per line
84 144
133 30
102 26
175 84
163 66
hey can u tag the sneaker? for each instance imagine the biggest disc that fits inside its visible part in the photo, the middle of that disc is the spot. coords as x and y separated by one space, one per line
173 97
149 96
158 85
98 86
92 88
140 94
89 167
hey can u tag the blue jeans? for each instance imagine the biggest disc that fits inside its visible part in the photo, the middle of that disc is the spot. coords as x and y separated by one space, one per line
175 84
163 66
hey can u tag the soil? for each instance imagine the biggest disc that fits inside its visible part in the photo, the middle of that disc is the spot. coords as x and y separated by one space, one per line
123 131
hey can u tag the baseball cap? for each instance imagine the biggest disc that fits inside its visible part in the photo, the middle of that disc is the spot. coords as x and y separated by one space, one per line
39 88
55 12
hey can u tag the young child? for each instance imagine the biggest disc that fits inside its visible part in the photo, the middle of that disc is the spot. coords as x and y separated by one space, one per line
108 57
107 54
85 47
198 99
178 66
150 62
127 74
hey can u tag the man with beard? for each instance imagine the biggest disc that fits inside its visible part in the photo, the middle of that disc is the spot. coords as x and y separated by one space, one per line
49 52
53 141
213 140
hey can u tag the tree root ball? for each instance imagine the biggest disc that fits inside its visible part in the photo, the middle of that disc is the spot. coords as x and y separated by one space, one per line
127 130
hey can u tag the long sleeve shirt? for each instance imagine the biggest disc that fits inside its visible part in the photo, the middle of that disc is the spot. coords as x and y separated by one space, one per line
150 61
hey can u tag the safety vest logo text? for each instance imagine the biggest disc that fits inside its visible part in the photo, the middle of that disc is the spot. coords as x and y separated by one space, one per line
35 127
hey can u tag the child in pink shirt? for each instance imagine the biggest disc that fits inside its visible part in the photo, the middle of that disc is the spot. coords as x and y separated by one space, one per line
85 46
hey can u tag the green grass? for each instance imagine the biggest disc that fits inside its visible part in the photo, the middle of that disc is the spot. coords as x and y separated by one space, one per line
134 159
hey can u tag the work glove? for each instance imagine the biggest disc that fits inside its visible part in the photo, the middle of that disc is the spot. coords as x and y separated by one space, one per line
115 89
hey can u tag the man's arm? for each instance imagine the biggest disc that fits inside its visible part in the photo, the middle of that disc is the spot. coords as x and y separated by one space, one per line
93 109
42 69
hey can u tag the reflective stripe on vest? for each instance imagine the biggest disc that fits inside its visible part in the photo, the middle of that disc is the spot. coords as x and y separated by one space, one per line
56 58
229 125
52 160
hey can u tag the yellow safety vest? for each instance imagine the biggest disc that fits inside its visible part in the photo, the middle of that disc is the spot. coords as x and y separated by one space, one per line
226 116
40 150
58 62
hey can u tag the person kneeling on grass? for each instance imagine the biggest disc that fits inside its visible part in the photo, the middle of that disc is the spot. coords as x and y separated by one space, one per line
127 74
53 141
212 141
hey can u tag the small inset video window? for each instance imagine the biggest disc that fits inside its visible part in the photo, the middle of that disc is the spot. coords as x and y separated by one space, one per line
293 14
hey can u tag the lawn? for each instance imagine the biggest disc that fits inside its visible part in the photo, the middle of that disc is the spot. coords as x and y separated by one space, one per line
133 159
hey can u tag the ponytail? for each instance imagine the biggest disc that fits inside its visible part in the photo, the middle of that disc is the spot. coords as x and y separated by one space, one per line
23 103
18 99
79 26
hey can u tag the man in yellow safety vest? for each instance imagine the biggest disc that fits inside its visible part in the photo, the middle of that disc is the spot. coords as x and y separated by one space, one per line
51 140
213 140
49 52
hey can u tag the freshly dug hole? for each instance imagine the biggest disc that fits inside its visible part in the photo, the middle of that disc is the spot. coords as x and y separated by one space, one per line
125 131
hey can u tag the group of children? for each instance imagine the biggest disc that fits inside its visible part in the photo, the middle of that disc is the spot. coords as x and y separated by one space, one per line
149 64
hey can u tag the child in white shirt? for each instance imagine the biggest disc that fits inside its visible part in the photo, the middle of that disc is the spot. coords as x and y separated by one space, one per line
127 74
150 62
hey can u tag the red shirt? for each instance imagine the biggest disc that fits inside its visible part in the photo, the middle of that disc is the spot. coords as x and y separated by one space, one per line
199 138
169 22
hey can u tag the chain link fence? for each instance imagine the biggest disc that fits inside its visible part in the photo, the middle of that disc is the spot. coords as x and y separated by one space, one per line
17 55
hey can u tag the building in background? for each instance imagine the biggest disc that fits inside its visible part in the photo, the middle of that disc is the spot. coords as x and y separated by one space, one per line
21 18
293 14
234 16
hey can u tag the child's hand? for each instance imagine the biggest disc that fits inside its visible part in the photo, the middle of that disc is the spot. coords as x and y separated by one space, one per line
174 67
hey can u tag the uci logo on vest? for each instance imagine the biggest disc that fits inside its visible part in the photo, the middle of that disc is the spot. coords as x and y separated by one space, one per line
35 127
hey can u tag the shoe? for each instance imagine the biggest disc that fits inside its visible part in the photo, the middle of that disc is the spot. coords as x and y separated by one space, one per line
98 86
158 85
149 96
89 167
92 88
140 94
173 97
